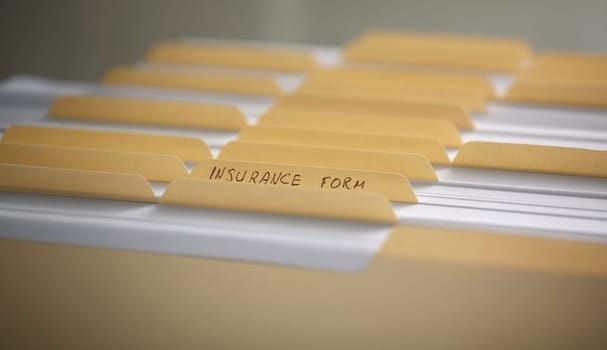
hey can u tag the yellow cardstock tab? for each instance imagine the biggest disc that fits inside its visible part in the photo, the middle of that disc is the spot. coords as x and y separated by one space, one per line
231 56
571 78
195 81
147 111
154 167
357 206
471 100
454 113
392 77
558 93
76 183
426 146
533 158
393 186
488 54
571 61
444 131
408 87
186 148
497 250
409 165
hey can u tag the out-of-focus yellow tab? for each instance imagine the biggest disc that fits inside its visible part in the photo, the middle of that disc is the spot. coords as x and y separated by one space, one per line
457 114
231 56
565 77
444 131
186 148
496 250
449 51
567 69
358 206
196 81
558 93
470 100
393 186
409 165
147 111
154 167
571 61
533 158
426 146
77 183
378 76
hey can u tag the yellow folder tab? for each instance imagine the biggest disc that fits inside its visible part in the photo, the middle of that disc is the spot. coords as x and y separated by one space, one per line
393 186
455 113
77 183
384 75
426 146
232 56
471 100
572 60
147 111
358 206
449 51
186 148
558 93
195 81
568 69
496 250
572 78
444 131
533 158
154 167
409 165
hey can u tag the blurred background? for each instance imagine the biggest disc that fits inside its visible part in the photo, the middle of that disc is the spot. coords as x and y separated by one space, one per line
79 39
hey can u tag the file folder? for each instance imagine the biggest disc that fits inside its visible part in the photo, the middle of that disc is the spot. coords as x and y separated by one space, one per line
426 146
457 114
81 183
444 131
409 165
564 161
507 241
470 100
146 111
358 206
185 148
449 51
226 83
154 167
231 56
395 187
395 77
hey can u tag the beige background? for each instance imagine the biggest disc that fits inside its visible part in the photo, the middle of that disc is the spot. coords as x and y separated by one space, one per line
79 39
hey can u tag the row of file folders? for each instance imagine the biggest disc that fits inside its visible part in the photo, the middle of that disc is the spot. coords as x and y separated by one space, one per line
397 148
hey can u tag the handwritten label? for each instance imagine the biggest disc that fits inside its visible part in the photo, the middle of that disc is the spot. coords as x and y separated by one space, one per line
255 176
267 177
393 186
347 183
